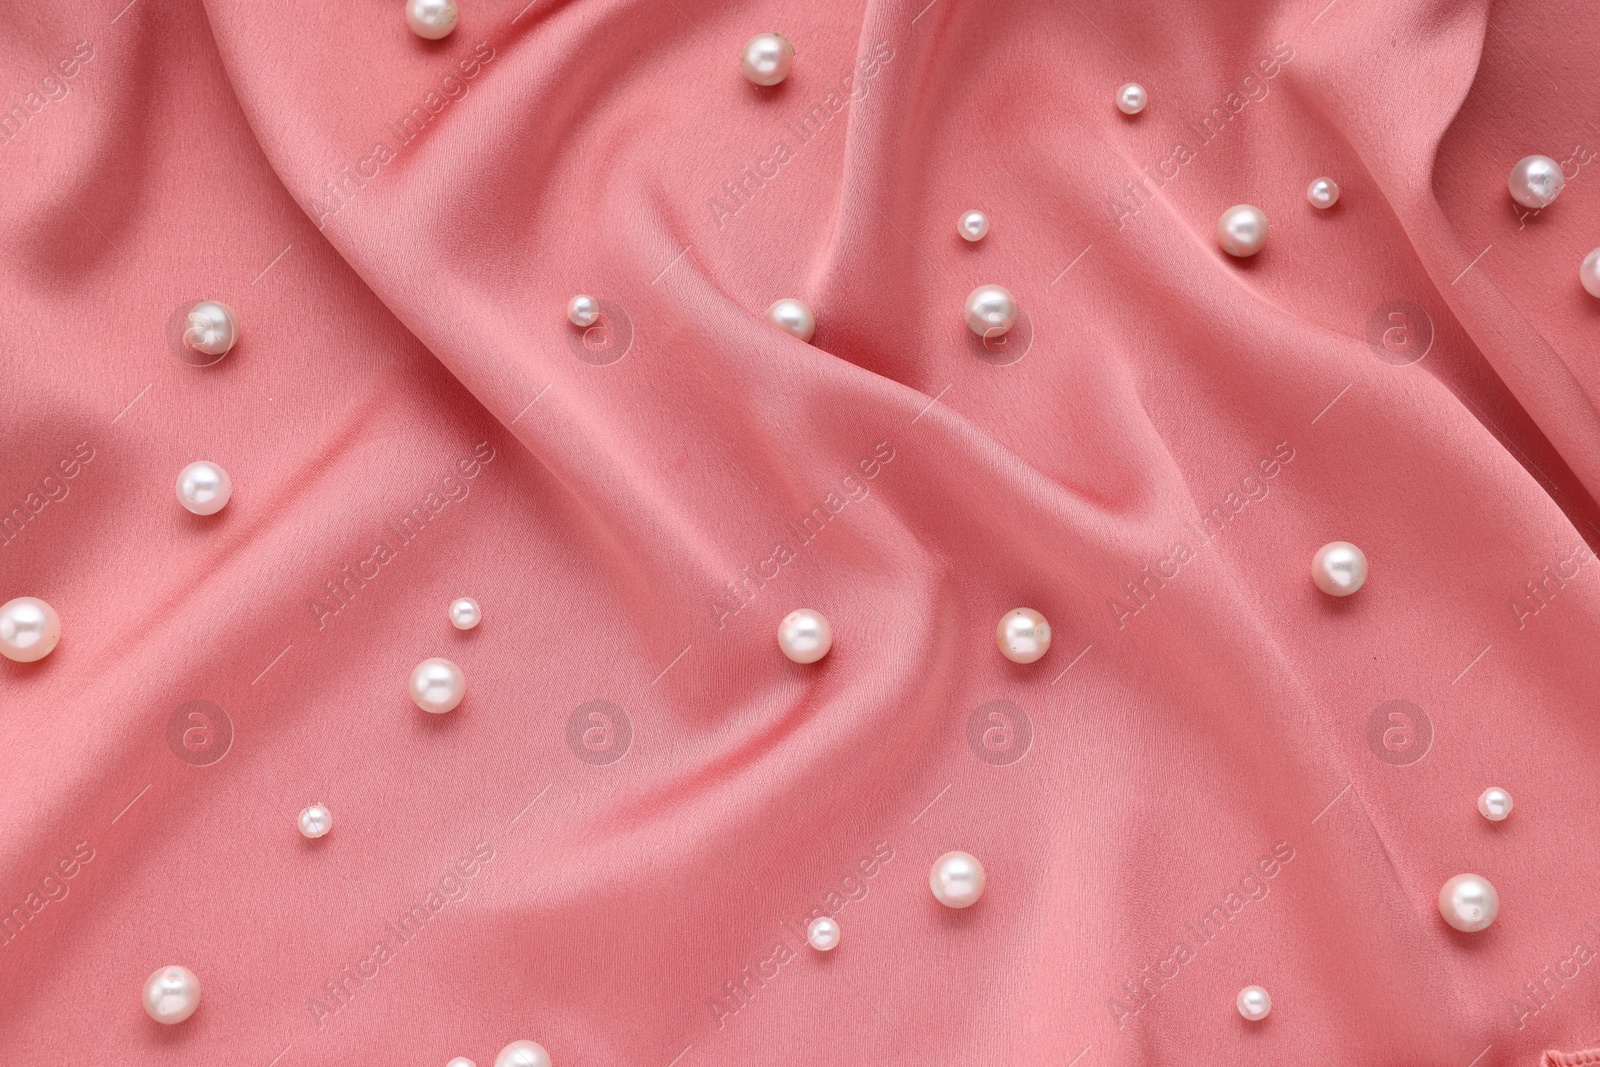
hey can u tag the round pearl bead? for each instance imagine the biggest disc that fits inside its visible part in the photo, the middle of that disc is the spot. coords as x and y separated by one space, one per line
1254 1003
316 821
991 310
1132 98
1494 803
805 635
1589 273
793 316
437 686
1339 568
204 488
433 20
957 879
171 994
823 934
1023 635
523 1054
461 1061
465 613
1323 193
211 327
583 310
1469 903
973 226
1242 230
29 629
1536 181
767 58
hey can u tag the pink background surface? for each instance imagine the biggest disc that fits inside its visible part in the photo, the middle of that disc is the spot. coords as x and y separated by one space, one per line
409 329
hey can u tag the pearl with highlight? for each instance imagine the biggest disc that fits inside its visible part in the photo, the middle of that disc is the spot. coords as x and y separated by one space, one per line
1323 193
957 879
316 821
1132 98
1254 1003
204 488
432 19
1589 273
1023 635
211 327
805 635
767 58
991 310
465 613
793 316
1536 181
1494 803
1242 230
29 629
437 686
171 994
583 310
823 934
972 226
523 1054
1469 903
461 1061
1339 568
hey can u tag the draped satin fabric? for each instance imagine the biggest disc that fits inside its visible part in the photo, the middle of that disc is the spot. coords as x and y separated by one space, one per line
1217 776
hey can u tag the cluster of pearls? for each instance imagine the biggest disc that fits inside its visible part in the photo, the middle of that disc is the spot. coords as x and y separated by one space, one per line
29 629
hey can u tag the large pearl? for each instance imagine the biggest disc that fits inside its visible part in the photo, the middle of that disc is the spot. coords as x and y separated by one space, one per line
316 821
1253 1003
437 685
1132 98
1242 230
1536 181
1589 273
793 316
204 488
957 879
1469 903
766 58
1494 803
583 310
211 327
805 635
1023 635
29 629
171 994
1339 568
523 1054
991 310
465 613
972 225
461 1061
432 19
1323 193
823 934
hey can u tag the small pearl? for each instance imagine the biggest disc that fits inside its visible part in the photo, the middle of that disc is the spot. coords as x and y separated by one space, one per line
171 994
1589 273
437 685
1536 181
823 934
1339 568
1494 803
767 58
211 328
204 488
1023 635
793 316
1323 193
465 613
1132 98
973 225
461 1061
522 1054
805 635
432 19
583 310
1469 903
29 629
991 310
1242 230
1254 1003
316 821
957 879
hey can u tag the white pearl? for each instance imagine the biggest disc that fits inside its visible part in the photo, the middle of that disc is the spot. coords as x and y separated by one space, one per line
171 994
316 821
1469 903
465 613
522 1054
1132 98
805 635
437 685
1254 1003
1589 273
1536 181
204 488
461 1061
973 225
793 316
1323 193
1494 803
1339 568
211 328
1242 230
583 310
1023 635
29 629
432 19
957 879
991 310
766 58
823 934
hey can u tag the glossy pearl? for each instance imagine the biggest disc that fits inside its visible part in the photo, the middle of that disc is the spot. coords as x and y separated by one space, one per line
1253 1003
1536 181
991 310
767 58
204 488
432 19
437 685
823 934
1469 903
316 821
1023 635
171 994
1132 98
1323 193
461 1061
29 629
1494 803
583 310
805 635
793 316
523 1054
211 327
465 613
957 879
1242 230
973 226
1589 273
1339 568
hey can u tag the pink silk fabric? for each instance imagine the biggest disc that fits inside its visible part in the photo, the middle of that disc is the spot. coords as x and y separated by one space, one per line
1216 777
